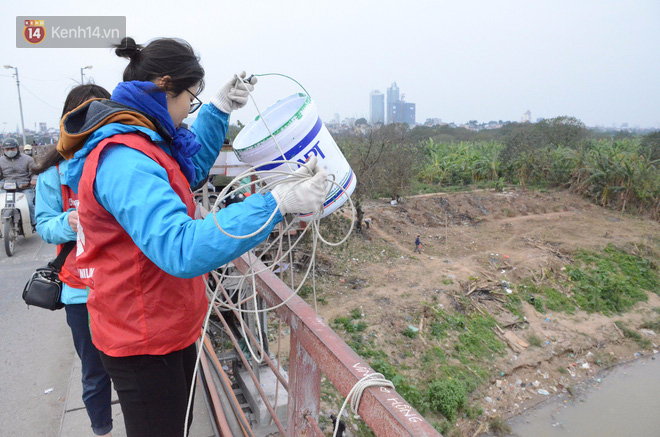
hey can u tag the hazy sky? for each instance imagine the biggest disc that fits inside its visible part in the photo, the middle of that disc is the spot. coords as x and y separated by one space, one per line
461 60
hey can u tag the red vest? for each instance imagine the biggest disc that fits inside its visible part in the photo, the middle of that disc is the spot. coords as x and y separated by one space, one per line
135 307
69 271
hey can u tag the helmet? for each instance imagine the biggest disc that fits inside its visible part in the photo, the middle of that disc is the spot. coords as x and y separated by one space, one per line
10 143
27 149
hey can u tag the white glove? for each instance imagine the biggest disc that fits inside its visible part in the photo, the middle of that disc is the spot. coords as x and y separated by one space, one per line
233 95
300 193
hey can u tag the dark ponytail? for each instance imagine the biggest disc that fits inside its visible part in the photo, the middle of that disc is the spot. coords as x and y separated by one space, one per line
76 97
162 57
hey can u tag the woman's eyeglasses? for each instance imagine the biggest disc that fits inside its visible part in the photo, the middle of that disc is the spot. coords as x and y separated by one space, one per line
195 104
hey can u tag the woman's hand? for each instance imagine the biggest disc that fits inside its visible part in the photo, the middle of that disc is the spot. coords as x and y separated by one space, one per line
73 220
234 94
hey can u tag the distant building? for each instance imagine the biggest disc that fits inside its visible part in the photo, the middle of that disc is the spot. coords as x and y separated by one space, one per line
398 110
336 119
42 127
392 98
527 117
376 107
403 112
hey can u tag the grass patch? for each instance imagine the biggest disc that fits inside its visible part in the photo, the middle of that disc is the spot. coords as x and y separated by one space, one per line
499 427
447 396
533 340
644 343
364 348
653 324
410 333
611 281
347 323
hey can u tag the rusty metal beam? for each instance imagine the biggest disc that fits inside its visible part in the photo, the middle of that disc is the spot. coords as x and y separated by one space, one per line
220 418
304 390
269 362
384 410
257 384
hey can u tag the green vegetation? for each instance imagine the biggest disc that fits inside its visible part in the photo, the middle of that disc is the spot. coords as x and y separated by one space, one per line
347 322
499 427
611 281
608 281
644 343
447 396
533 340
622 172
653 324
452 373
409 332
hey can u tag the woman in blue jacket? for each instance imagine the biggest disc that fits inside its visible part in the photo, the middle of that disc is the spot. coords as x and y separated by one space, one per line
57 223
139 247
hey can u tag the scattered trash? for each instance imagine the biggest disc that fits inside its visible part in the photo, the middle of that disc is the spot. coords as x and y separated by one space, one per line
413 328
536 384
586 366
498 383
489 400
48 390
543 392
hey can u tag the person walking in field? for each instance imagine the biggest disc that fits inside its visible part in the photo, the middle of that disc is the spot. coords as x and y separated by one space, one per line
418 245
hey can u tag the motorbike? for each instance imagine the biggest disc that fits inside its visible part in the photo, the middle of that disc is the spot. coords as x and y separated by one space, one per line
15 215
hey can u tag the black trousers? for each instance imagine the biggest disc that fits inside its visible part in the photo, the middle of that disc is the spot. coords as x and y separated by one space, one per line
153 391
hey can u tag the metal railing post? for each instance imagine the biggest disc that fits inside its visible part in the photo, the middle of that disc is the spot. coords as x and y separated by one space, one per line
304 389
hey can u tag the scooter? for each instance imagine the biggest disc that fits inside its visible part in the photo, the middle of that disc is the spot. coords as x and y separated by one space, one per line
15 215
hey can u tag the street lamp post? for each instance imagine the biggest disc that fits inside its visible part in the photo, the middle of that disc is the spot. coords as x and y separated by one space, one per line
20 103
82 80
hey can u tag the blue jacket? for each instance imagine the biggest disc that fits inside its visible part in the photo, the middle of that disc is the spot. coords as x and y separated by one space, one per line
136 191
53 223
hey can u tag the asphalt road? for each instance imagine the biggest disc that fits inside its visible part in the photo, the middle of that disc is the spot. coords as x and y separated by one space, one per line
36 350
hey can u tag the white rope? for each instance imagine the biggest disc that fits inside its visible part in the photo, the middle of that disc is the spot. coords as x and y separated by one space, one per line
355 395
265 181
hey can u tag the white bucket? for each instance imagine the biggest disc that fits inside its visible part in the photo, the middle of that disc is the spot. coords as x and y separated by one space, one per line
296 125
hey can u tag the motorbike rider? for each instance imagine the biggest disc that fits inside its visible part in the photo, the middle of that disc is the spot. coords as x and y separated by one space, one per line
19 167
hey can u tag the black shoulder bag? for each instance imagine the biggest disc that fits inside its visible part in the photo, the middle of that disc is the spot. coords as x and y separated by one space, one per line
44 289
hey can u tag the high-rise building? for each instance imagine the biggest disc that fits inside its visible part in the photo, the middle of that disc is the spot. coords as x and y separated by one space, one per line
403 112
392 98
376 107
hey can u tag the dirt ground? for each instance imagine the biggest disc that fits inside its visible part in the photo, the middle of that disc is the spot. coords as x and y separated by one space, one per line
487 237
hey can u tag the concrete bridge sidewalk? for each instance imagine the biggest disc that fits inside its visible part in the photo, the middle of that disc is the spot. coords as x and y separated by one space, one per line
40 388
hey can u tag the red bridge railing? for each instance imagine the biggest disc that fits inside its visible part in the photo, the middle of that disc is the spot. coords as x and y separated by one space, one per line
315 350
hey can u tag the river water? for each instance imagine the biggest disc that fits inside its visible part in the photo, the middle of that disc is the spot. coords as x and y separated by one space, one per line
626 402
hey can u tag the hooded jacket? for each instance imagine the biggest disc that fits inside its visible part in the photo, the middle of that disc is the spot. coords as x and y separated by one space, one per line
136 191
